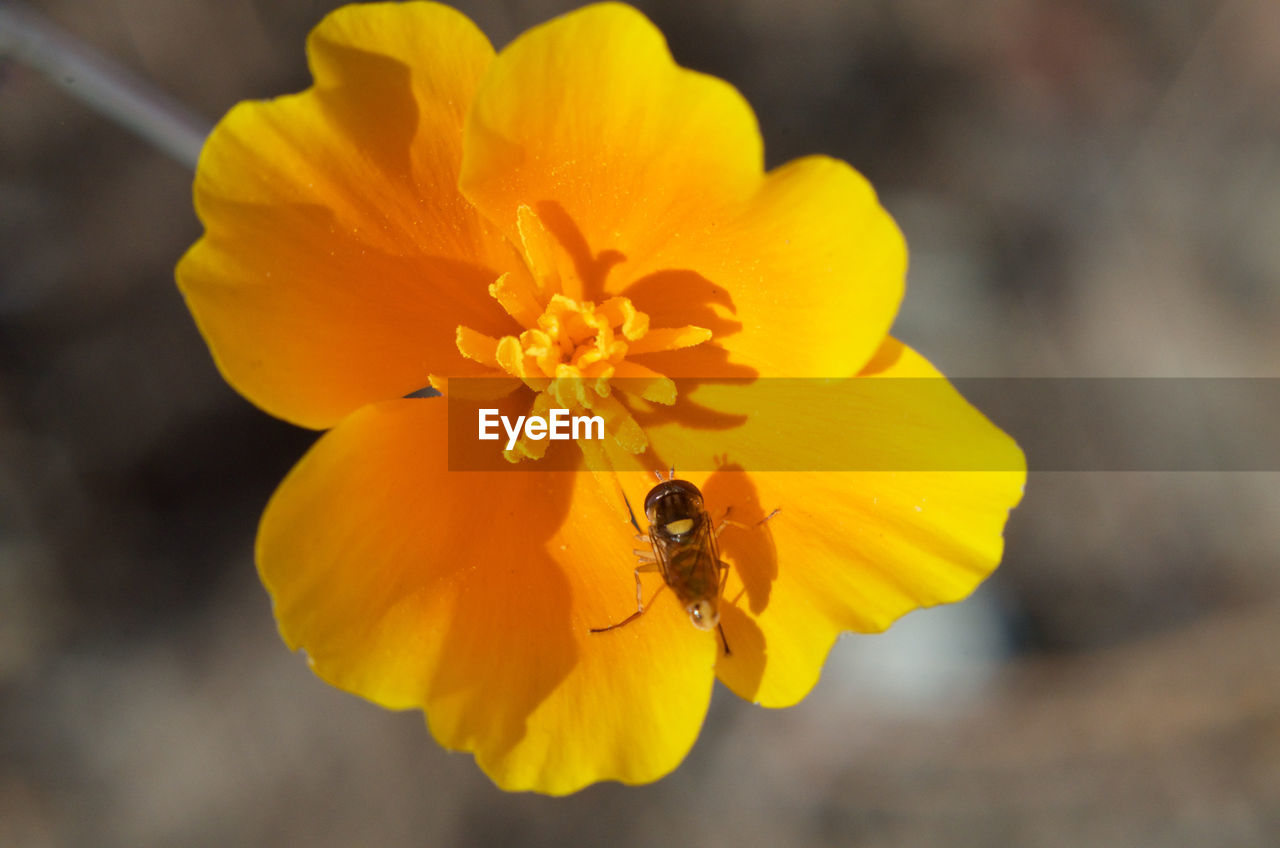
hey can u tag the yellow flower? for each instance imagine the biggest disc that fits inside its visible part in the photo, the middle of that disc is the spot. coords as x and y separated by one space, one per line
576 206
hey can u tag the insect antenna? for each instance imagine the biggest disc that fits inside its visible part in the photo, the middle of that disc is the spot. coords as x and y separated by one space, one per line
657 472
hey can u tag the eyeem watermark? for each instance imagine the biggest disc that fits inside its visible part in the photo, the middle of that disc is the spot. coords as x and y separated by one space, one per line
559 426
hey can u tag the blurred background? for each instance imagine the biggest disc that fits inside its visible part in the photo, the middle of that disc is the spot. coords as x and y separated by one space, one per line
1088 187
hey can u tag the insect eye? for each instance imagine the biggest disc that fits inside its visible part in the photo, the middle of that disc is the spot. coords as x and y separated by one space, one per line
703 614
672 497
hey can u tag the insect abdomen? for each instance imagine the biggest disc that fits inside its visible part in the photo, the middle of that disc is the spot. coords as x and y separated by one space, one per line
692 574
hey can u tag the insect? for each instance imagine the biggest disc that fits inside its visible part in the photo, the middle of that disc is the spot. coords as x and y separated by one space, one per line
684 550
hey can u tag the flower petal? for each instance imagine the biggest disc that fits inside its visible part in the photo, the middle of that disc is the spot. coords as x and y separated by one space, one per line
850 550
622 153
338 255
633 706
472 595
816 269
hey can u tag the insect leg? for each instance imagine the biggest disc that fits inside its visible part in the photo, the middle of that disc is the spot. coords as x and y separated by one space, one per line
640 607
639 590
729 522
630 512
724 581
726 521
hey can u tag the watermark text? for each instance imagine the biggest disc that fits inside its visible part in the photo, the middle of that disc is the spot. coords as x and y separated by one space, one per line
559 425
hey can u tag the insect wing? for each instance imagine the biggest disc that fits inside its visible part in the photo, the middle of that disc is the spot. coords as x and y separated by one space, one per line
690 565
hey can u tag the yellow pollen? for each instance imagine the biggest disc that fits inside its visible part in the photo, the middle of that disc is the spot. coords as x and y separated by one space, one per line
572 352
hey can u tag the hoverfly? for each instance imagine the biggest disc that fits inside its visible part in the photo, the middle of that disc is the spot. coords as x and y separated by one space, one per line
684 550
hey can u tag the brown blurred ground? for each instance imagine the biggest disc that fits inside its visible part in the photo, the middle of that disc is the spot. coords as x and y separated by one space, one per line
1088 188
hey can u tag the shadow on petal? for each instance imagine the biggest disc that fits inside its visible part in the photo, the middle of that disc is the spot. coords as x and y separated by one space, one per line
371 98
311 335
684 412
743 670
675 297
746 542
416 587
592 268
695 365
884 359
508 647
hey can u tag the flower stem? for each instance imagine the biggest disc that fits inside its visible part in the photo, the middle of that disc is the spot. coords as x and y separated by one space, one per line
102 84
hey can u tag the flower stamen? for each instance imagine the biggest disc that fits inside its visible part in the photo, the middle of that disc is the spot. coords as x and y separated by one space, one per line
571 348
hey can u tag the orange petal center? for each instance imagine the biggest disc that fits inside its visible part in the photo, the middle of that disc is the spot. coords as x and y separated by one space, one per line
571 348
